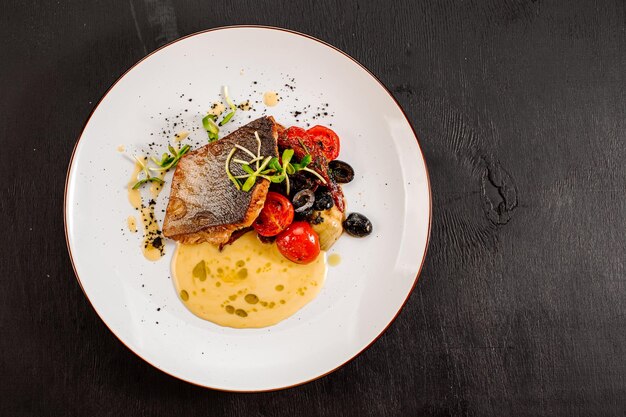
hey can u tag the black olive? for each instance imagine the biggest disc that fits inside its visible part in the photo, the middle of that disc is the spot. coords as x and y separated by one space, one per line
341 171
304 215
323 201
357 225
303 200
300 181
277 187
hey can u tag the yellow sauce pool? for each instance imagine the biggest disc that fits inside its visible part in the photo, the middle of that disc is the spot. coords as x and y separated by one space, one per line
247 285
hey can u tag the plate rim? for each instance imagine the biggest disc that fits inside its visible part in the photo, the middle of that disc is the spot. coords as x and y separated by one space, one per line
292 32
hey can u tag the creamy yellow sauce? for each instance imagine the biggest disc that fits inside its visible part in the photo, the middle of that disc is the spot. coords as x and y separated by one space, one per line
217 109
247 285
153 246
270 98
132 224
155 188
134 196
121 148
334 259
181 135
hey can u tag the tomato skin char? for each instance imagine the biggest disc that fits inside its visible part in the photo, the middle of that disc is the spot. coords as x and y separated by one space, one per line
277 213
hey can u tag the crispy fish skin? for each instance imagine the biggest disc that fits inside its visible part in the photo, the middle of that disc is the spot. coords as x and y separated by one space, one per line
204 205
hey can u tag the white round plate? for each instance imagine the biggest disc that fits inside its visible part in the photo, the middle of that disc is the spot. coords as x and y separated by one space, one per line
361 296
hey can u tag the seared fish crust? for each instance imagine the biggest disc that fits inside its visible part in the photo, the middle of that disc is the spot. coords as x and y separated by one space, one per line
204 204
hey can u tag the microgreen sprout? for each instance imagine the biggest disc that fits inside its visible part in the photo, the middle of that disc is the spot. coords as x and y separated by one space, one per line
168 161
230 175
271 168
208 122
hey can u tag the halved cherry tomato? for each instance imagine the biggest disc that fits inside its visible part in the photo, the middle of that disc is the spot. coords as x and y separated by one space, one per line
275 216
299 243
326 140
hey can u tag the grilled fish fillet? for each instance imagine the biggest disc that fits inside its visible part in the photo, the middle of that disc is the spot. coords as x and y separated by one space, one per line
204 205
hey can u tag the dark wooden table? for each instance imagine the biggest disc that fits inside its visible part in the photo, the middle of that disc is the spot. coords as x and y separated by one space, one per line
521 111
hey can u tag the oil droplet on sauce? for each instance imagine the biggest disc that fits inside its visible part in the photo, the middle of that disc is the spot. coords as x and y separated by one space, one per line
270 98
132 224
334 259
265 296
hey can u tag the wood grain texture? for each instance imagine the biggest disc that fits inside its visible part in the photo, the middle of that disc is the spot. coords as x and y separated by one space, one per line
520 106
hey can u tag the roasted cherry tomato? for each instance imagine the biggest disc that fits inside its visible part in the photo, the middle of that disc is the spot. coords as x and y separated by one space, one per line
326 140
276 215
299 243
295 138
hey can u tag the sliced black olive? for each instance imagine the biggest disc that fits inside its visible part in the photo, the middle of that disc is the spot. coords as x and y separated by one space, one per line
357 225
341 171
323 201
303 200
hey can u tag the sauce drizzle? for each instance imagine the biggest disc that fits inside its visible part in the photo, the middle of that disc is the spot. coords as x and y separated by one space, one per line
134 196
334 259
270 98
132 224
153 244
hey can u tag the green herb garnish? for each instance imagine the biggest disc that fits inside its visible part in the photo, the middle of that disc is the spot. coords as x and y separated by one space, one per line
232 106
227 118
228 100
303 163
228 173
272 168
149 179
247 186
208 122
169 161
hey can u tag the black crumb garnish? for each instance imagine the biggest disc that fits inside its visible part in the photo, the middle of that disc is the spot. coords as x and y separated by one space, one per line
317 219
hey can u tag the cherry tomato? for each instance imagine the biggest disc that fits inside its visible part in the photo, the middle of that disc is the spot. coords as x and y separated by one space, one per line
275 216
295 138
299 243
326 140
